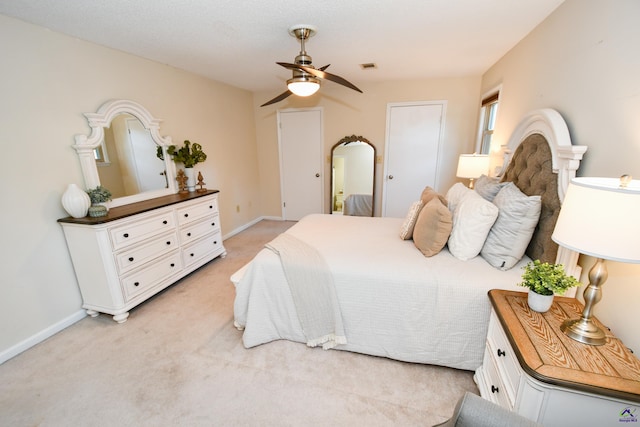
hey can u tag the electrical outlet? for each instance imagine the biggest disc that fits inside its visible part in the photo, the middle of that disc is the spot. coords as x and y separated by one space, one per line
378 159
238 208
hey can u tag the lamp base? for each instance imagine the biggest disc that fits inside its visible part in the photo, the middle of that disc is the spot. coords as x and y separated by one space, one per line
584 331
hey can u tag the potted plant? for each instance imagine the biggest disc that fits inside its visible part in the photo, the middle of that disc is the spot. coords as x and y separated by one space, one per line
98 195
544 280
190 154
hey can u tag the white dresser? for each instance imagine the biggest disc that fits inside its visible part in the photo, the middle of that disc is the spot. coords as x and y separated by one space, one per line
139 249
532 368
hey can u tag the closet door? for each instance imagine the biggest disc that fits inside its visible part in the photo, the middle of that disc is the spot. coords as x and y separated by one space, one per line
300 144
414 134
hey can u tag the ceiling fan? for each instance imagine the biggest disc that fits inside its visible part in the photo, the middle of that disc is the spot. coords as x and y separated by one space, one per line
306 78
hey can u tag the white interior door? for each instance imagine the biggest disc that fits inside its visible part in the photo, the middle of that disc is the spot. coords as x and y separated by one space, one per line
149 170
412 149
300 144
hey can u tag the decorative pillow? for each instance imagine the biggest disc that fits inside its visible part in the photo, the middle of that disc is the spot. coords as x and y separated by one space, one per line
510 235
455 195
429 193
488 187
432 227
472 220
406 231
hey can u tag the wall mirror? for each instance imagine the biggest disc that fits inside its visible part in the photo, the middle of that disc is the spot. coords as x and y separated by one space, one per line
353 163
120 153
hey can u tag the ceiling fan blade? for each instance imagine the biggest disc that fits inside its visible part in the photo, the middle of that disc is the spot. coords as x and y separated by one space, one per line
321 74
278 98
324 68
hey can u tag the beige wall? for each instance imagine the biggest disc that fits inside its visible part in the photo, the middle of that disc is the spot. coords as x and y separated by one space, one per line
584 61
347 112
48 81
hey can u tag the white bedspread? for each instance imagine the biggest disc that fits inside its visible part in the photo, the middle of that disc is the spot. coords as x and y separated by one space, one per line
394 301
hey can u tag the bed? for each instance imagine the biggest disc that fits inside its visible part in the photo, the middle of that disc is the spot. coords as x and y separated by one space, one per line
383 295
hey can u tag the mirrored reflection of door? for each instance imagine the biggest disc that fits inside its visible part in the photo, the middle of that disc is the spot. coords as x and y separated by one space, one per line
352 177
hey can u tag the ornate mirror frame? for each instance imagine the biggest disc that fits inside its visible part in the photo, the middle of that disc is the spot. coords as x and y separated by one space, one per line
344 141
85 146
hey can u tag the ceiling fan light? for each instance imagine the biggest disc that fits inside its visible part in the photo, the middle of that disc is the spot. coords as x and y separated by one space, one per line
303 86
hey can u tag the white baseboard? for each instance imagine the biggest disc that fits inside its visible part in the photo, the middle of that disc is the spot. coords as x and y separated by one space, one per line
41 336
249 224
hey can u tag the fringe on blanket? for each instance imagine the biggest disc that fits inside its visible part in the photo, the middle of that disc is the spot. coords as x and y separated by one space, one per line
328 341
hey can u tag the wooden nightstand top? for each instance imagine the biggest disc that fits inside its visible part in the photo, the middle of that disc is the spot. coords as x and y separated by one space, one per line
548 355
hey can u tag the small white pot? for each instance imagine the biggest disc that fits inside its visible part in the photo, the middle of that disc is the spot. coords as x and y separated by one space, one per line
539 303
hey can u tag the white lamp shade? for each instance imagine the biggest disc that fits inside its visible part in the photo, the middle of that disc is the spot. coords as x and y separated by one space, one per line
303 88
472 165
601 219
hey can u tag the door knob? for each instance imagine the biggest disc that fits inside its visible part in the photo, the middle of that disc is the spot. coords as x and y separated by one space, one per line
317 175
390 176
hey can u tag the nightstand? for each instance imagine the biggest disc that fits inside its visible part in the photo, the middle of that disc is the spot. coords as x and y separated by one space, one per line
532 368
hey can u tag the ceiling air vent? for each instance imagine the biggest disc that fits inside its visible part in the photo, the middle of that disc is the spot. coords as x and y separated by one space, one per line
368 66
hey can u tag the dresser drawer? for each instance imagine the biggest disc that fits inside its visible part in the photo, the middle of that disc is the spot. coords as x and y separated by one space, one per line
131 258
142 280
196 211
134 232
201 248
505 359
193 232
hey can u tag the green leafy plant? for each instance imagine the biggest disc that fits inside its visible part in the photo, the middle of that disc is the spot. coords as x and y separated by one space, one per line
99 194
547 279
189 155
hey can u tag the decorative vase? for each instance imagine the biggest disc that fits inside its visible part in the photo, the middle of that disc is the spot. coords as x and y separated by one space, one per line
539 303
75 201
191 178
96 210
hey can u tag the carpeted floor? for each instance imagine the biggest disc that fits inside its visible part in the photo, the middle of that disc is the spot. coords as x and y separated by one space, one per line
178 361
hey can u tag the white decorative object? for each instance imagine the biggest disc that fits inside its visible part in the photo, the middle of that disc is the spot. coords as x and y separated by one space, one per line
191 178
539 303
121 263
75 201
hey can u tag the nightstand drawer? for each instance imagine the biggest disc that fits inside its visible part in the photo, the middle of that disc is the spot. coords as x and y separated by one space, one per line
494 384
504 357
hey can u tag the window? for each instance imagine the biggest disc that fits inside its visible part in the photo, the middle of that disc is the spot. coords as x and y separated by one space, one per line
488 114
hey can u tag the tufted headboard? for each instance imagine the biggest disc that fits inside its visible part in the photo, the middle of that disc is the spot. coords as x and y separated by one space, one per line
540 160
531 171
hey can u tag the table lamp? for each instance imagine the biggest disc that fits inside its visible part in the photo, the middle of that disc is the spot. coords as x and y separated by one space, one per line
599 217
472 166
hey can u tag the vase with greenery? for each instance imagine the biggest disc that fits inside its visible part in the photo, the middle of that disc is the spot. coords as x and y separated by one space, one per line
190 154
544 279
98 195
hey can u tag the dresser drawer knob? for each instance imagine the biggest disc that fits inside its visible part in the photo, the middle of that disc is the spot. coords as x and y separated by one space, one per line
494 389
186 215
130 259
213 224
501 353
210 206
136 284
173 265
188 234
164 222
215 242
126 235
192 254
169 242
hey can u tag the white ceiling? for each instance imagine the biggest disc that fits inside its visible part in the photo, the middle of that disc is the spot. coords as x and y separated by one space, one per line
238 41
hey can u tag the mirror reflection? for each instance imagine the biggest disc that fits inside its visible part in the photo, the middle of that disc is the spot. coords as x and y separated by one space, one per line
126 160
353 176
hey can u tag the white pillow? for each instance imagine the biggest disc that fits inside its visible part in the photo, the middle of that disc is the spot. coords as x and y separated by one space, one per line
406 231
456 194
472 220
510 235
488 187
